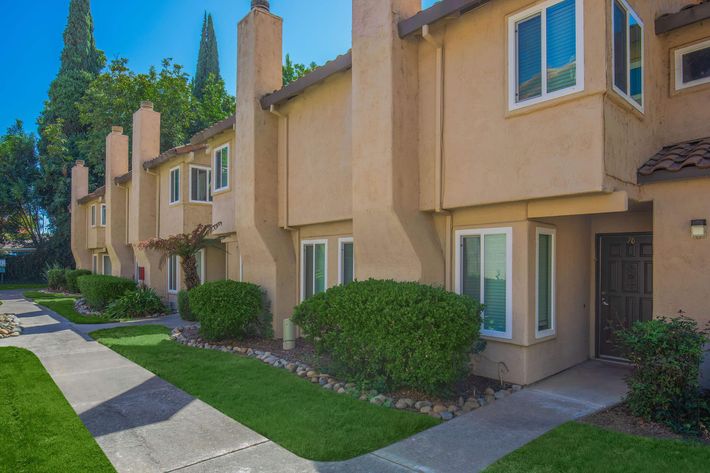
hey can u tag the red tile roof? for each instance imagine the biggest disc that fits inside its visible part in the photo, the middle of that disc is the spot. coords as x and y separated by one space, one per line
681 160
171 153
94 195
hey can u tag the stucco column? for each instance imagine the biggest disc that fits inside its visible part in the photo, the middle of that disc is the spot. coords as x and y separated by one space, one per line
120 252
267 252
79 224
393 238
143 199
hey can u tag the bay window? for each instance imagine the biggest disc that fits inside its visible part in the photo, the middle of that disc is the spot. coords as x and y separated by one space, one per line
627 47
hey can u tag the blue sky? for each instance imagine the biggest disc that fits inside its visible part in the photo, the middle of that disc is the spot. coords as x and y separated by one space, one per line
146 31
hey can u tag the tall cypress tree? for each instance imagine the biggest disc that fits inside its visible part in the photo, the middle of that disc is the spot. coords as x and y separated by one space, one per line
59 125
207 58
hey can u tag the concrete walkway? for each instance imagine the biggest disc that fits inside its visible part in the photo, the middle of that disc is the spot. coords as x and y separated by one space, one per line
145 424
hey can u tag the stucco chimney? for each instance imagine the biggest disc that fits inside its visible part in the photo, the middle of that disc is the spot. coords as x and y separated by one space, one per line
146 146
260 4
393 238
79 224
266 250
115 237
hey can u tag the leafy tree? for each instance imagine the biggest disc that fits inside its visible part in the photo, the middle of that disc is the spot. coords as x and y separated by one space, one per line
216 104
293 71
186 246
59 125
207 58
20 213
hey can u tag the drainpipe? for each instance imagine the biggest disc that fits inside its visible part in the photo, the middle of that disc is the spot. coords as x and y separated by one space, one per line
438 45
283 143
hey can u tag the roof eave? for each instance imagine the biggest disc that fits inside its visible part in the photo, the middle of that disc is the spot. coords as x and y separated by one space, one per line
662 175
682 18
435 13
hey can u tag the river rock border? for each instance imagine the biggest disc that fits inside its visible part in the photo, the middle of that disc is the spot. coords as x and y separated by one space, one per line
9 326
444 411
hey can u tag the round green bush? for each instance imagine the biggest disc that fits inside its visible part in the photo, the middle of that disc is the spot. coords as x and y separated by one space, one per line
56 278
100 290
71 276
396 334
227 309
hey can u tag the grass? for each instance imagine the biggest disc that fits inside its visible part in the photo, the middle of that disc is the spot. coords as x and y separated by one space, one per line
304 418
63 304
14 286
582 448
40 431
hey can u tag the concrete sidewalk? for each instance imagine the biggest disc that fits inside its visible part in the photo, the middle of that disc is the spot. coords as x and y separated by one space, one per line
145 424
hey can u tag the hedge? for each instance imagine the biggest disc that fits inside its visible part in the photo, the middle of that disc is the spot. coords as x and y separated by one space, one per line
143 302
71 276
229 309
393 334
56 278
100 290
665 384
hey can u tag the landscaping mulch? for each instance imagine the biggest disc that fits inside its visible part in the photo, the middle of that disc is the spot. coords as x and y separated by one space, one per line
620 419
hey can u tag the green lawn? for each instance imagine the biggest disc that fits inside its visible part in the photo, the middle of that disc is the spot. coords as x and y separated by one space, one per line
8 286
583 448
304 418
63 304
39 431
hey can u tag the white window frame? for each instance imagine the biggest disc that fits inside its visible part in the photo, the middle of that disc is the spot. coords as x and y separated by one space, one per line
341 243
170 186
177 275
508 232
103 264
678 54
95 264
92 220
301 269
541 8
215 169
209 185
103 215
629 11
553 283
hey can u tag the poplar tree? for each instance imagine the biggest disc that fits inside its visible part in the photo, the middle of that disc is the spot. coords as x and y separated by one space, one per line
207 58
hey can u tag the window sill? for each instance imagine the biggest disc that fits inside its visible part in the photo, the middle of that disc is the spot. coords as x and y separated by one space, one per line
217 192
628 102
549 103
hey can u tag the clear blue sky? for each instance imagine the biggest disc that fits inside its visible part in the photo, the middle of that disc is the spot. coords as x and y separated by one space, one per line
146 31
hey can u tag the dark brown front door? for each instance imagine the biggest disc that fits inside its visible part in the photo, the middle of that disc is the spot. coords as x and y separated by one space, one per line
625 286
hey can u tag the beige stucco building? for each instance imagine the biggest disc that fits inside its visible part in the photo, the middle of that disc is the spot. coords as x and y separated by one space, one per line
546 157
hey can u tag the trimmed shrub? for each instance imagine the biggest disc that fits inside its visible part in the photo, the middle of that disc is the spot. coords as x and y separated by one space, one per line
143 302
665 386
183 303
71 276
229 309
393 334
56 279
100 290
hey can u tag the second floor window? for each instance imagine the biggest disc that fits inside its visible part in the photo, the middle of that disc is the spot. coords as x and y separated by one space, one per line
627 43
93 215
692 65
221 168
103 215
200 184
175 185
545 52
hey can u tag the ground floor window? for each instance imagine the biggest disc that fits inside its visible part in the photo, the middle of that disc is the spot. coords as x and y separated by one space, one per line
314 262
484 267
95 264
172 273
545 282
107 265
346 261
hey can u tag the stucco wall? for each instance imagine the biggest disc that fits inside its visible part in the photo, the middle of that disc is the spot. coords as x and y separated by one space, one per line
319 152
223 205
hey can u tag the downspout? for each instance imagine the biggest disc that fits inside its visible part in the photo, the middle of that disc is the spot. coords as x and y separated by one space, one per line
283 144
438 45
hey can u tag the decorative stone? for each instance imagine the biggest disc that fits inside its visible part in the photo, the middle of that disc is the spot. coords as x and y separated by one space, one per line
328 386
501 394
312 374
489 392
446 416
439 408
453 408
341 391
425 409
489 399
420 404
470 405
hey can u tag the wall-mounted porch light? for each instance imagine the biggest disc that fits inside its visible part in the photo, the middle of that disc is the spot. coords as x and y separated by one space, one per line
698 228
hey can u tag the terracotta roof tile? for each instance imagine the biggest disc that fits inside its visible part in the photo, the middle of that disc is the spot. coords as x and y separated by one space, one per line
213 130
99 192
123 178
686 159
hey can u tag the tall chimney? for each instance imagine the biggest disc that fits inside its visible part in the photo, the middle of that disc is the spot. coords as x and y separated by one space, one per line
79 222
146 146
116 165
266 250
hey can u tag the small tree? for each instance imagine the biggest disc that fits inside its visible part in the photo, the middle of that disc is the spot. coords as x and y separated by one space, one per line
186 246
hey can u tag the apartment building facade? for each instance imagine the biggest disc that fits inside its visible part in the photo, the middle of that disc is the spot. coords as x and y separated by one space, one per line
549 158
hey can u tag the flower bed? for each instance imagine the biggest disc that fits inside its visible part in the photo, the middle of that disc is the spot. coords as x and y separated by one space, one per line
9 326
442 409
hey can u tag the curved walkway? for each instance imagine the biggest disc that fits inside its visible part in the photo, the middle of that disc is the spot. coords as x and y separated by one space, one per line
145 424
